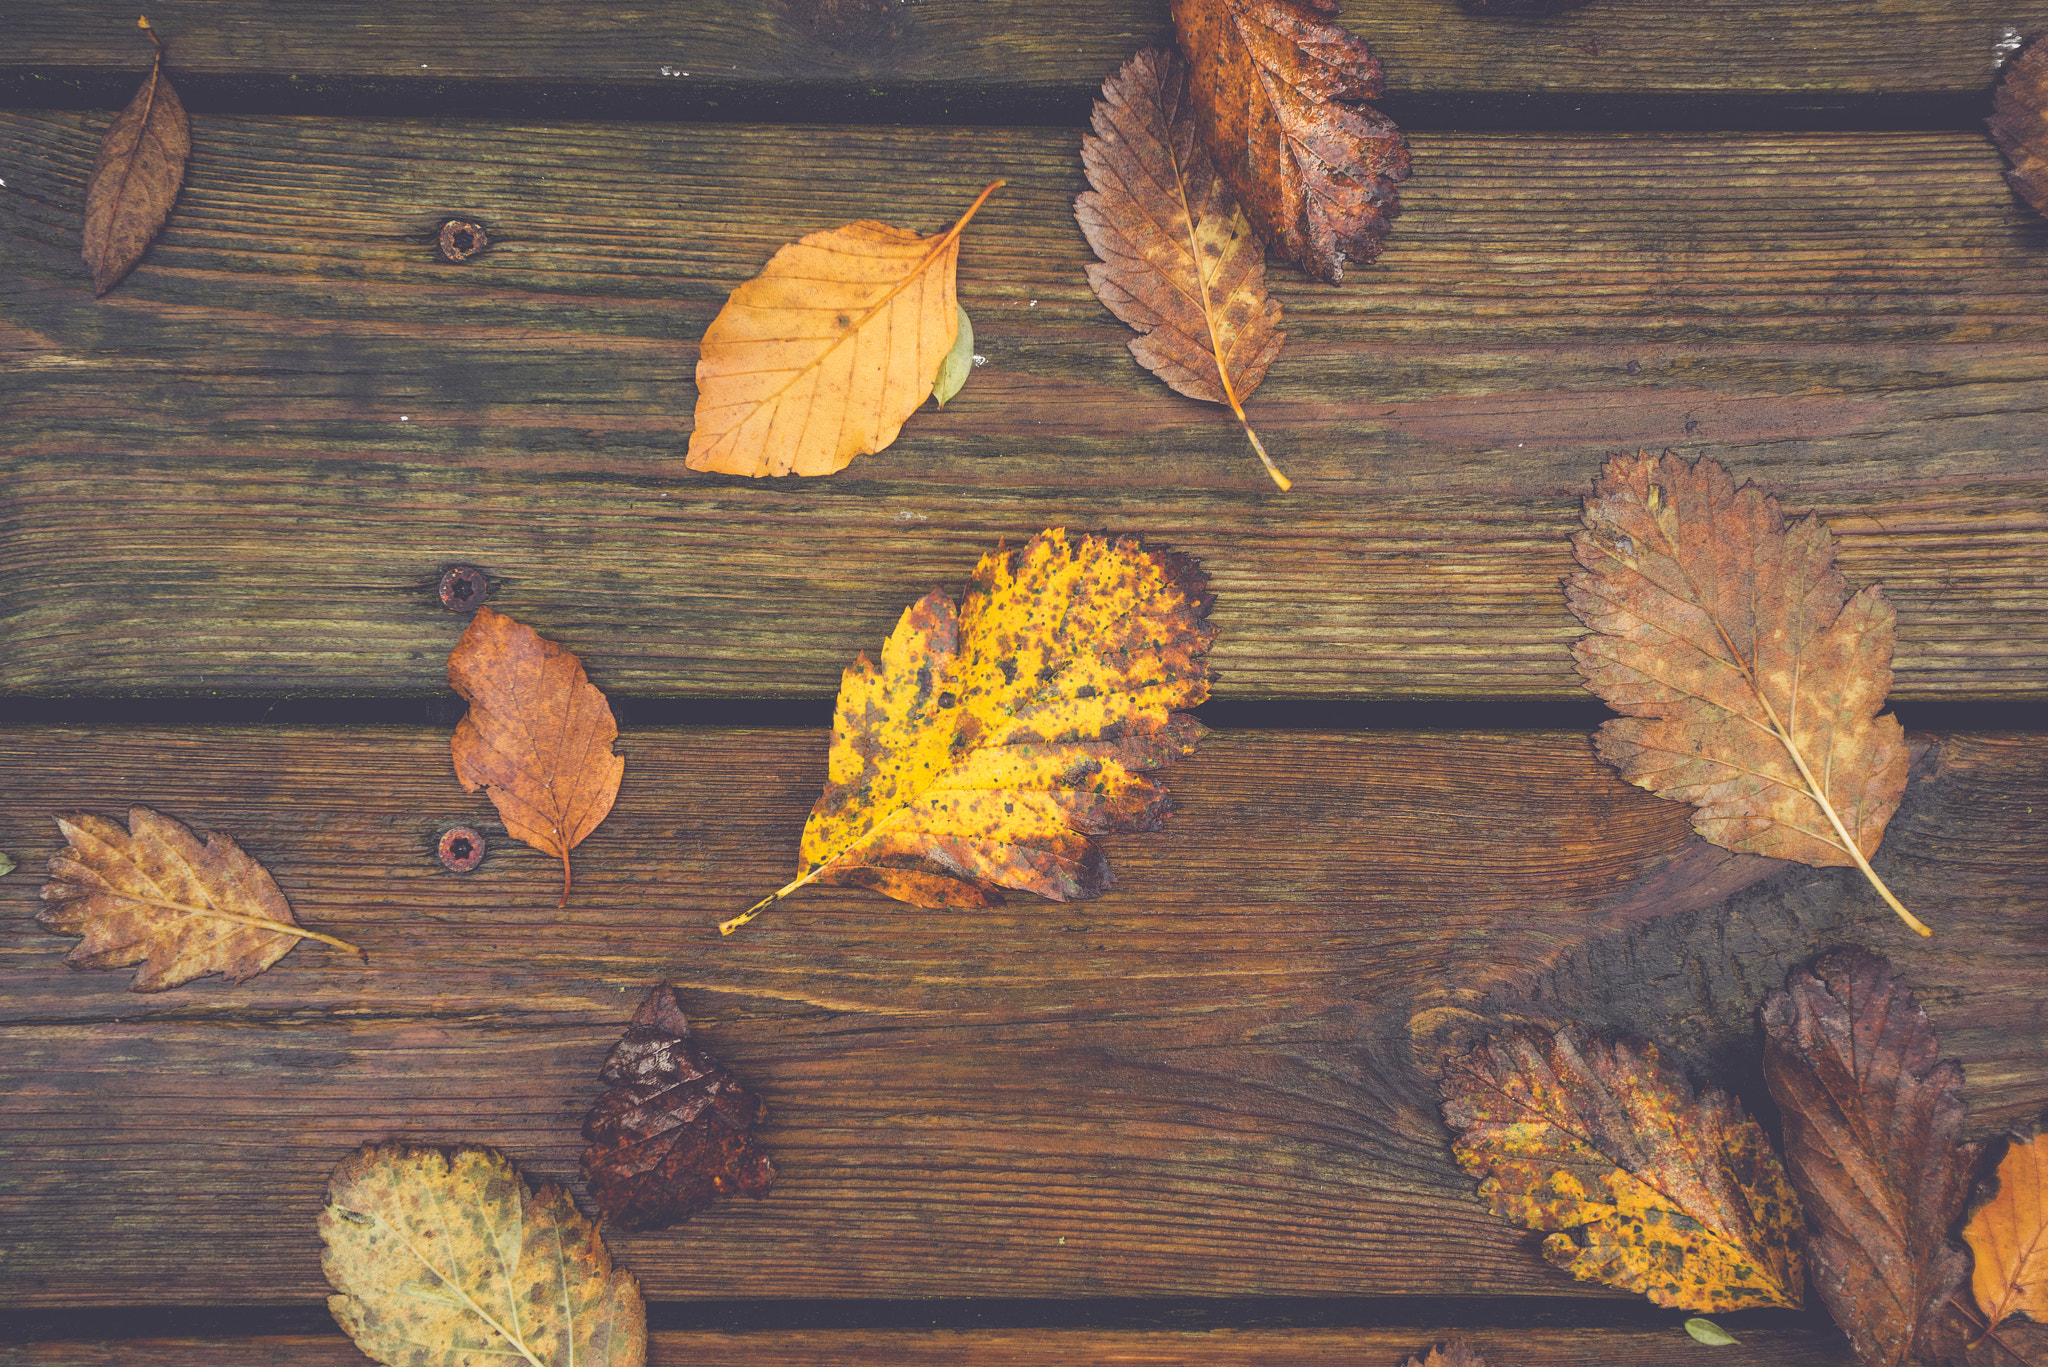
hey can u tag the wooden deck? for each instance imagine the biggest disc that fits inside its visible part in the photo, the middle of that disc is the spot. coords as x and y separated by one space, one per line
1182 1123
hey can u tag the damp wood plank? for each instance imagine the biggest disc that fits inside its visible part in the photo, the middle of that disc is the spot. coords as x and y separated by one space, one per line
1860 322
940 58
1208 1082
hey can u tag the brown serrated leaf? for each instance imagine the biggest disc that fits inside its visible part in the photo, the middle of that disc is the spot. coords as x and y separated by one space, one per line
1748 679
1456 1353
992 744
1672 1194
673 1130
2019 122
824 354
538 736
136 177
1276 88
1179 260
1873 1130
2008 1233
153 895
446 1258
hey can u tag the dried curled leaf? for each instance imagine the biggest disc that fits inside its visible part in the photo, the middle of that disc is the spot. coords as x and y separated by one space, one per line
1456 1353
445 1258
136 177
2008 1233
1748 679
1711 1334
1276 87
154 895
538 736
2019 122
991 745
824 354
1179 260
1650 1187
957 364
673 1130
1873 1130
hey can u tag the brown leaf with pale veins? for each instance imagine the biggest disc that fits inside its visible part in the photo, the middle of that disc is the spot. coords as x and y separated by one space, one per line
1456 1353
1748 678
2008 1233
673 1130
2019 122
154 895
1179 260
1276 88
1873 1131
136 177
538 736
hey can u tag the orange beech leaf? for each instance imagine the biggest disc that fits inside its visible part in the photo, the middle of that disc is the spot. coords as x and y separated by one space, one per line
992 743
538 736
2019 122
1275 86
822 356
136 177
1748 678
1180 262
2009 1235
1873 1131
1456 1353
153 895
1650 1186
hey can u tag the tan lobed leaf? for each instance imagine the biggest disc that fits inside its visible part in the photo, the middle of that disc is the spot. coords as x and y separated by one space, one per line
446 1258
538 736
136 177
1456 1353
1873 1131
1748 679
1276 87
1650 1187
990 745
1179 260
824 354
2019 122
2008 1233
153 895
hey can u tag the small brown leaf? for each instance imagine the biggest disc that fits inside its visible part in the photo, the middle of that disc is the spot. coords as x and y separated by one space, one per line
1275 87
673 1130
1873 1126
1456 1353
136 178
2019 122
1749 681
1180 262
2009 1235
153 895
538 736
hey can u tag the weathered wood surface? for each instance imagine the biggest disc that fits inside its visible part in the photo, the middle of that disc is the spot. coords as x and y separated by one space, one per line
1860 322
934 58
1201 1084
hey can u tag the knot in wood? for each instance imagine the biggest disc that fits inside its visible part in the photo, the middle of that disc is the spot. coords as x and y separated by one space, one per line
461 240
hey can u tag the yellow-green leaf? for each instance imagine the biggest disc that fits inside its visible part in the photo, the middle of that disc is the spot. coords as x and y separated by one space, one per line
959 362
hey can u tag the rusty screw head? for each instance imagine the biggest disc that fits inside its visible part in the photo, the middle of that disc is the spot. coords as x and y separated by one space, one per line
461 849
462 241
464 589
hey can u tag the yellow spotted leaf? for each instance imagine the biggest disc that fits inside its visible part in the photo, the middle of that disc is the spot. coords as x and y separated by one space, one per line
993 742
1646 1185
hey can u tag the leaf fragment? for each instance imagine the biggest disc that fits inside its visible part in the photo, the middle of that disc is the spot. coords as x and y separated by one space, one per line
1707 1332
991 744
136 177
447 1258
2008 1233
153 895
1179 260
1277 89
673 1129
1873 1130
2019 122
6 864
1649 1186
824 354
1456 1353
1748 678
538 735
958 363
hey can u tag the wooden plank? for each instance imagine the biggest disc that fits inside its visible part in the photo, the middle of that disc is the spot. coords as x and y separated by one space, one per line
938 57
1202 1084
1857 321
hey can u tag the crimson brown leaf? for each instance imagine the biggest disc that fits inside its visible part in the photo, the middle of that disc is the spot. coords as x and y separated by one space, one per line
2019 122
673 1130
136 177
1873 1131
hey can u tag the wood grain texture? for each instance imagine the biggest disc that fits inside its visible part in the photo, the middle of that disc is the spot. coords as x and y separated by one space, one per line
1857 321
1203 1082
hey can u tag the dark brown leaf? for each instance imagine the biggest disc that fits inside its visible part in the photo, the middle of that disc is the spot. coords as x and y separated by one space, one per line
1276 87
1873 1130
136 178
673 1130
2019 122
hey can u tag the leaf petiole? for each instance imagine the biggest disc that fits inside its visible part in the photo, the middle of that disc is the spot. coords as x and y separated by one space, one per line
728 927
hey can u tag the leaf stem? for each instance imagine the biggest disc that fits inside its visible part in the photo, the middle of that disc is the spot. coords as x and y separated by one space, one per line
260 923
728 927
142 22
